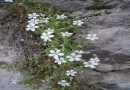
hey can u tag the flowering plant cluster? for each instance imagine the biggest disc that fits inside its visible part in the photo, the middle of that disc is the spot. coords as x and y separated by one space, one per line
57 41
64 57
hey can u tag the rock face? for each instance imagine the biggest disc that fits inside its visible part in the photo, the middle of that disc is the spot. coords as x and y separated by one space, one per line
110 20
71 5
112 47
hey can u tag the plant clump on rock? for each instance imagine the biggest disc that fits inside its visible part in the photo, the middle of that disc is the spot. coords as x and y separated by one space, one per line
62 57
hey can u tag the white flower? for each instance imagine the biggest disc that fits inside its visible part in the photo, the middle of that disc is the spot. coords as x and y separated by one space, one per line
92 37
55 54
74 57
87 52
92 63
49 30
46 37
61 16
34 21
42 15
89 64
8 0
96 59
31 27
46 20
63 83
66 34
78 22
14 81
43 81
60 61
71 73
33 15
78 51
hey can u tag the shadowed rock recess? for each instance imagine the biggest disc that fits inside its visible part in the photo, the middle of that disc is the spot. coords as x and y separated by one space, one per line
110 19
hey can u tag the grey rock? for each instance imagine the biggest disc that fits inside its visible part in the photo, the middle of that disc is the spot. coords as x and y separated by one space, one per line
106 67
112 47
2 11
114 19
77 5
118 80
76 13
6 79
114 39
86 75
126 5
110 4
71 5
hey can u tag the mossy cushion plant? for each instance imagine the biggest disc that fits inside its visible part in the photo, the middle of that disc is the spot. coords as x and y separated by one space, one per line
62 56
